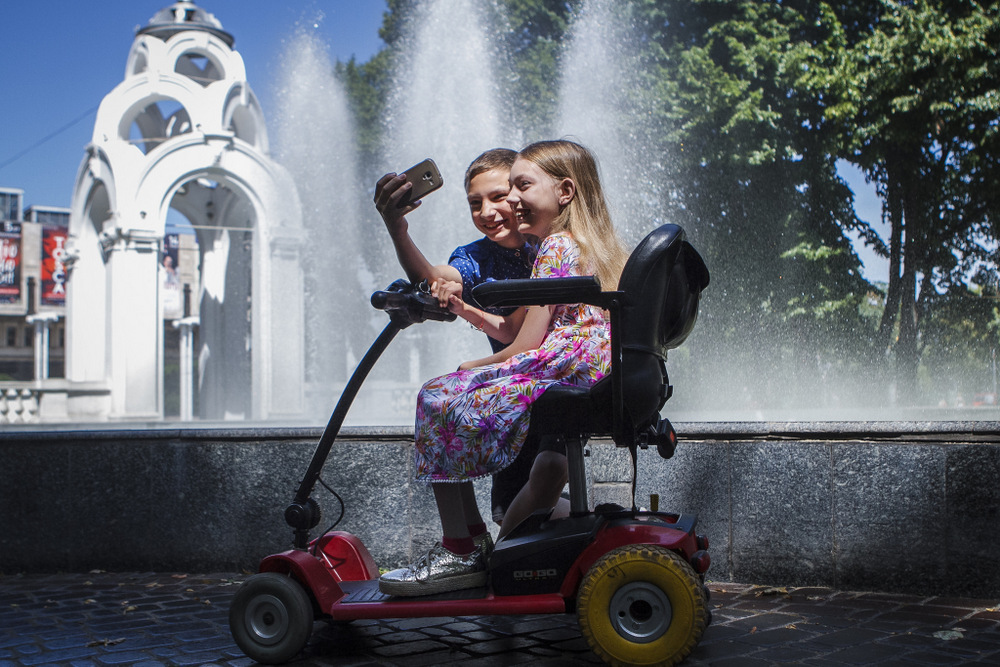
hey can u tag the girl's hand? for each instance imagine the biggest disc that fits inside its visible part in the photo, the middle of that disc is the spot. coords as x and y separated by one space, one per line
468 365
449 295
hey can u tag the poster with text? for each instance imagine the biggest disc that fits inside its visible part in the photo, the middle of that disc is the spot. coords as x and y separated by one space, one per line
10 262
53 267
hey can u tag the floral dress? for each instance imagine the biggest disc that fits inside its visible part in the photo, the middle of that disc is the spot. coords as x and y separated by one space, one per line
473 423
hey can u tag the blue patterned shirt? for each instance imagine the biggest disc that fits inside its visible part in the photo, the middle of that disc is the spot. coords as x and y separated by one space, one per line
482 261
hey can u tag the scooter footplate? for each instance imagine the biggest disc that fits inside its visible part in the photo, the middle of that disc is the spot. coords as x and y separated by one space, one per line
360 592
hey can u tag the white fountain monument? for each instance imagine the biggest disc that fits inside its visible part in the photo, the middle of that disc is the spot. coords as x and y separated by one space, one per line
184 131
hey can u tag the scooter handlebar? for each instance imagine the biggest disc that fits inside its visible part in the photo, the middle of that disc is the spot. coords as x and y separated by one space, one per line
410 304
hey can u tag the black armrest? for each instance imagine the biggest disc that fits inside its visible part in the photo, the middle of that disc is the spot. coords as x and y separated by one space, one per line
542 292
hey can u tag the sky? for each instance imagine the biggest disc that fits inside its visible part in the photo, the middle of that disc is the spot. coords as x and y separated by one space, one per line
60 58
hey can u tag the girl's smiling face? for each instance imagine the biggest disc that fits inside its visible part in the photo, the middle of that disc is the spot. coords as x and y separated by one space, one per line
536 198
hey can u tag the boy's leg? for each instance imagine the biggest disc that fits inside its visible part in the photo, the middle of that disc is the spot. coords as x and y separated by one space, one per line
549 474
451 499
470 509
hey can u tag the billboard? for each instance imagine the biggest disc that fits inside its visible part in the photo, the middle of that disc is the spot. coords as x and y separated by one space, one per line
10 262
53 267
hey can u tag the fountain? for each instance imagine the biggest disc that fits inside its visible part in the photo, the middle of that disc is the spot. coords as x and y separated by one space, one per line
601 105
444 105
315 138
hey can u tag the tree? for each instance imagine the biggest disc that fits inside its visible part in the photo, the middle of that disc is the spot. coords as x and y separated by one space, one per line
920 95
742 98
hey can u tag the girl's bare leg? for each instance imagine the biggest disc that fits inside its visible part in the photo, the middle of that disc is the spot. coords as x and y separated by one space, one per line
548 476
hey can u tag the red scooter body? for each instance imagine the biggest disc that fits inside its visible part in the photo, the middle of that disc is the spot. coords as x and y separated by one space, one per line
342 576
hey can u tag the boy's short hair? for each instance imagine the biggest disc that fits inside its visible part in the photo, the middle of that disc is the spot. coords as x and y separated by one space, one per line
495 158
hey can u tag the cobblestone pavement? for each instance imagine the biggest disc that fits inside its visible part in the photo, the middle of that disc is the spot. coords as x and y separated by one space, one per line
181 619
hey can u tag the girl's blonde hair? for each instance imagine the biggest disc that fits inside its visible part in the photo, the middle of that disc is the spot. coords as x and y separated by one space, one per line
586 217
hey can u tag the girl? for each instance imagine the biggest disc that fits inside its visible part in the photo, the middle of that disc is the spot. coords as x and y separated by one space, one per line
473 422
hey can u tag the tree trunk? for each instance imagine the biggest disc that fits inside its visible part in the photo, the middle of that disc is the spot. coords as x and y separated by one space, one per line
907 354
894 205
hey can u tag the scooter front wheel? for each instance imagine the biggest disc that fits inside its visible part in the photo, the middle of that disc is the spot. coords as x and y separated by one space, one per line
271 618
642 605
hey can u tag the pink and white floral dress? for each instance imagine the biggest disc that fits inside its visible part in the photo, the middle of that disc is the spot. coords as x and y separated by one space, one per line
473 423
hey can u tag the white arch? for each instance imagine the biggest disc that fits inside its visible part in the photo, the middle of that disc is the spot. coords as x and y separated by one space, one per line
225 140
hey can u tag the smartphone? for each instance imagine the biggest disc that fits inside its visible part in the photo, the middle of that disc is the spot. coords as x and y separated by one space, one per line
424 178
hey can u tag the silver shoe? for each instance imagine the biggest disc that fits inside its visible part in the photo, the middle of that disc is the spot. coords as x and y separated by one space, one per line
437 571
484 542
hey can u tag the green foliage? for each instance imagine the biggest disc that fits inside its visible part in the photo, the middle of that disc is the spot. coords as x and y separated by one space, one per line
536 30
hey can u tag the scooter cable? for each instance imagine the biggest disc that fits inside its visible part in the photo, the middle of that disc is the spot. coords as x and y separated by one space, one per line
339 518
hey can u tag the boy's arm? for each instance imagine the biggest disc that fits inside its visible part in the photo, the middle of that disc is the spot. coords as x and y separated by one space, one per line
503 328
388 192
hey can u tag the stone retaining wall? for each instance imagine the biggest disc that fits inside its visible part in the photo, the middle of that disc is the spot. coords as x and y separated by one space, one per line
894 507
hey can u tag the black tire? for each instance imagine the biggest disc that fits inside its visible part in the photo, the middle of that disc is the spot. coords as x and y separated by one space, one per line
642 605
271 618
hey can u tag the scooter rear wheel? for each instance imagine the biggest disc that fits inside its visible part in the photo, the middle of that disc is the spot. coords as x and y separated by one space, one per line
271 618
642 605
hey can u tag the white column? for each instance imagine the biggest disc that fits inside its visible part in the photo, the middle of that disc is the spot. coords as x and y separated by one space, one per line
135 326
187 326
42 323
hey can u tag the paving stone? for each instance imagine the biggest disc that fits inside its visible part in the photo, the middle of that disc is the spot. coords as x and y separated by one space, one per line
504 645
864 654
407 648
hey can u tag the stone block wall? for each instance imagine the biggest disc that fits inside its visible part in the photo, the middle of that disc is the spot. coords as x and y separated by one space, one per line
908 508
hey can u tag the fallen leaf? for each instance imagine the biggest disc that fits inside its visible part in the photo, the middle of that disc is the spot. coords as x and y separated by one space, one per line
179 576
948 635
753 629
105 642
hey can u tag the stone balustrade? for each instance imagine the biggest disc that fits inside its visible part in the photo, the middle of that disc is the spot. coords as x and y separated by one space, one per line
19 405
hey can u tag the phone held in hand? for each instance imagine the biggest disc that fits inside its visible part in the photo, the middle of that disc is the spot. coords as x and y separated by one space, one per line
424 178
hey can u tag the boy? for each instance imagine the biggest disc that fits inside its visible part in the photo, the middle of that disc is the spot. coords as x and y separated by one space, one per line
502 253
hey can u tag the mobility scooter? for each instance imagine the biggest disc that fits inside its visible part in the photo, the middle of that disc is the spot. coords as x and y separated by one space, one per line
634 578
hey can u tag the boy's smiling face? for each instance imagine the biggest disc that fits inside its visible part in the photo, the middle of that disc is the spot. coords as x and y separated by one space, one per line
492 215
